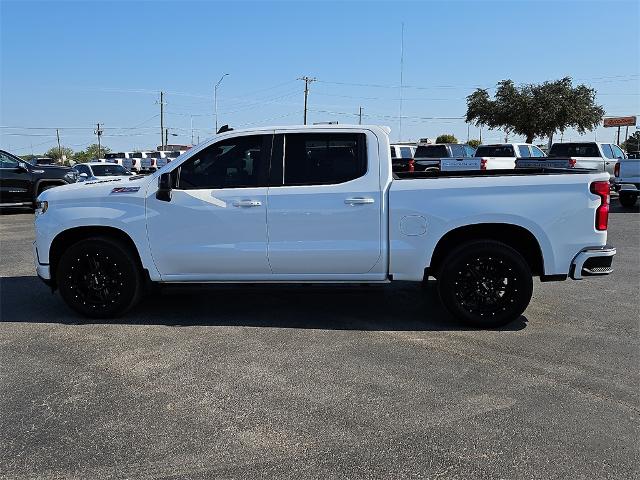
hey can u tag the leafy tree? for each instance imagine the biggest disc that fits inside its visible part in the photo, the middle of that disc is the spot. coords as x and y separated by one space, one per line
446 138
536 110
632 144
28 158
474 142
57 154
91 153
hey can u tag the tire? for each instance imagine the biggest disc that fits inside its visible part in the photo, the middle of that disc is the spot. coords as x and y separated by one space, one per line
628 200
485 284
99 277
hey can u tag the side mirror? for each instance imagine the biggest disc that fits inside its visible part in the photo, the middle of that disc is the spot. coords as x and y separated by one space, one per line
164 187
22 167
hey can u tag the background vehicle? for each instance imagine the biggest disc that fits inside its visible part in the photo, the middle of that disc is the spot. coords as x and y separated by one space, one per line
21 182
168 156
402 157
492 157
92 171
429 156
321 204
600 157
627 181
125 159
148 162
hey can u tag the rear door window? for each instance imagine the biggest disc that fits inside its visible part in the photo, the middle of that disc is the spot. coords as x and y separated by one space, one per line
324 158
457 150
617 152
523 150
536 152
405 152
607 150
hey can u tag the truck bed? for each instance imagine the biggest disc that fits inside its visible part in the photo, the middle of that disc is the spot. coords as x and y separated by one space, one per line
489 173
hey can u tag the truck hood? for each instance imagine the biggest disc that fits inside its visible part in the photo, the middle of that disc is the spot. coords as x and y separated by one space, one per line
98 189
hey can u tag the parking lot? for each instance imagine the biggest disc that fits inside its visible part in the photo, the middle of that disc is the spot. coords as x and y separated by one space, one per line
320 382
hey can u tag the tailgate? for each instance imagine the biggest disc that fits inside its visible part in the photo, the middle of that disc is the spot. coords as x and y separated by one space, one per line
459 164
545 162
629 170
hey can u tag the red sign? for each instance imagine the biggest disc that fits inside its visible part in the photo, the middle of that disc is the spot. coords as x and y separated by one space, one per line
620 122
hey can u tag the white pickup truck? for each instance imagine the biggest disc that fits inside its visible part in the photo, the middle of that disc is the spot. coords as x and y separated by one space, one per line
596 156
320 204
501 156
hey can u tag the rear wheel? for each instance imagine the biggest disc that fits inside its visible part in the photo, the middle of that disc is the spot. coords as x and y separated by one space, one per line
485 283
628 200
99 277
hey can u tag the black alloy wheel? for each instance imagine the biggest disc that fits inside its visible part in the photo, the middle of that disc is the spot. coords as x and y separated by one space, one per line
485 283
99 277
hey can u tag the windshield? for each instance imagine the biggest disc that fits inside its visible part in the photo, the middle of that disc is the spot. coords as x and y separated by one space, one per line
495 151
109 169
154 155
431 151
574 150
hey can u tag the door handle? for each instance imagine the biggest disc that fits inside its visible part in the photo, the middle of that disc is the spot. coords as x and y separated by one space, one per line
359 201
247 203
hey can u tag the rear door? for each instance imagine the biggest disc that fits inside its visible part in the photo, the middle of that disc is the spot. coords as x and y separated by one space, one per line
325 206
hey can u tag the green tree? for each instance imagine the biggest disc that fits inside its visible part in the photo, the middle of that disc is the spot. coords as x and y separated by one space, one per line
28 158
536 110
632 144
446 138
91 153
58 154
474 142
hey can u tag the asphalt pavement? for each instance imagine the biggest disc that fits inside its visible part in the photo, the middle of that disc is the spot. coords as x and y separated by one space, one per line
320 382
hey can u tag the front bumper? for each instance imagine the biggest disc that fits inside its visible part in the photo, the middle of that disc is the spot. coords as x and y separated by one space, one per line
592 261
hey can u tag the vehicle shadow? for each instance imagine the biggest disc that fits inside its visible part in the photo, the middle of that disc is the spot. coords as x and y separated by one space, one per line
615 207
401 306
15 210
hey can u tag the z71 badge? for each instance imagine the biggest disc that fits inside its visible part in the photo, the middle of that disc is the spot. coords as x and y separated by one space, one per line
125 189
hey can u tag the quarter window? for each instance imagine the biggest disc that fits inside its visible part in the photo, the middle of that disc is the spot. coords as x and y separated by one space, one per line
536 151
457 151
617 152
606 150
234 163
324 158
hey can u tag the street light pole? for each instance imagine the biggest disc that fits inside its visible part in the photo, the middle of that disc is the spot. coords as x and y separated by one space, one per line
215 99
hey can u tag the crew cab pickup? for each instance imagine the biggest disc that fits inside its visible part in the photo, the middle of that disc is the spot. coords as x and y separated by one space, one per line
500 156
627 181
596 156
320 204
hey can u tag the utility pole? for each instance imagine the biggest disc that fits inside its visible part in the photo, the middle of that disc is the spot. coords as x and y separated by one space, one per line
401 81
215 99
98 132
468 138
59 149
360 117
191 129
618 141
307 81
162 120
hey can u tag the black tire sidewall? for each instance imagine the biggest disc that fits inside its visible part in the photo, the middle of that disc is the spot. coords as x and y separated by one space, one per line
462 255
127 264
628 199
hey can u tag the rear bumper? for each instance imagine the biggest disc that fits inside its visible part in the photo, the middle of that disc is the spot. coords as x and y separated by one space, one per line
592 261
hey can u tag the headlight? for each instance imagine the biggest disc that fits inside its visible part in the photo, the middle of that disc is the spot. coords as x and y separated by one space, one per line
41 207
71 176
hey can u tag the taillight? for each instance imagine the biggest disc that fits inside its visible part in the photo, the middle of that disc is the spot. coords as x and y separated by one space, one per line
412 165
483 164
602 212
572 162
616 170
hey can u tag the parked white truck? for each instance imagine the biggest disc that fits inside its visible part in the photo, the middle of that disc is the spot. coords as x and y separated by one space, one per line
627 181
320 204
596 156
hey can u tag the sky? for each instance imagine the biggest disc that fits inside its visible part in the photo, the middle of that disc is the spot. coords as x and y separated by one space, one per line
69 65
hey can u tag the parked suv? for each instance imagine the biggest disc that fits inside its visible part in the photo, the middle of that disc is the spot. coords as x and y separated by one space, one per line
21 182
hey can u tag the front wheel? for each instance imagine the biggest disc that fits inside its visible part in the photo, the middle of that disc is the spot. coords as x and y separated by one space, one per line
485 283
628 200
99 277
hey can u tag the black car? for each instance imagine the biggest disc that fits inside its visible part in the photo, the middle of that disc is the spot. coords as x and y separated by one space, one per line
21 182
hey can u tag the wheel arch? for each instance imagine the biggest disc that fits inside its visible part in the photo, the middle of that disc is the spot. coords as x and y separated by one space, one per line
73 235
517 237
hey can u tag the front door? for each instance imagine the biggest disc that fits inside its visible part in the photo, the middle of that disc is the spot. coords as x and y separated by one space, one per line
324 213
214 227
15 181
